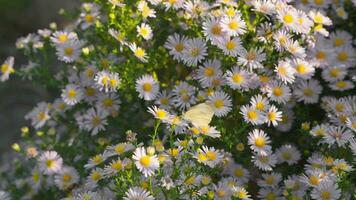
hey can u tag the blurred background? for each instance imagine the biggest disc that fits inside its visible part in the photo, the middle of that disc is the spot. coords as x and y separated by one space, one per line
17 97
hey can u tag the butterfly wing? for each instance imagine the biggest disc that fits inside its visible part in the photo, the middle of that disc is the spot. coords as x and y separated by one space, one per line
199 115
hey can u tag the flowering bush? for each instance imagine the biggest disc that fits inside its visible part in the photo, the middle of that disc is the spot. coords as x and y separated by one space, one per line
198 99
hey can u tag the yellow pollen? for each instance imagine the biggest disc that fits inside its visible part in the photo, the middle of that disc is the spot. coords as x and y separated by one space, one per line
260 142
288 19
68 51
277 91
209 72
145 161
308 92
147 87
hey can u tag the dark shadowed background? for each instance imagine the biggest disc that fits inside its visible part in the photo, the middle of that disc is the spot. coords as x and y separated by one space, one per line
17 97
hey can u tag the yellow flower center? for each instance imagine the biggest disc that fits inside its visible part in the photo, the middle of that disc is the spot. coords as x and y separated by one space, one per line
120 148
50 164
66 178
239 172
41 116
211 155
269 180
216 30
301 69
63 38
140 53
179 47
260 105
277 91
230 45
272 116
325 195
97 159
308 92
288 19
334 72
219 103
341 84
320 55
260 142
270 196
161 114
145 161
314 180
237 78
117 165
252 115
89 18
68 51
233 25
342 56
195 52
209 72
338 42
147 87
96 121
96 176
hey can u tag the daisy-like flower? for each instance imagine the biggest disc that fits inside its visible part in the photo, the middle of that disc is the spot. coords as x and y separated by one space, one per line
238 79
344 55
61 37
233 26
270 180
118 36
252 115
259 142
208 156
95 120
159 113
145 10
107 81
183 95
295 49
147 87
176 44
50 162
69 51
39 115
114 167
326 190
145 31
72 94
285 72
334 73
264 162
109 102
351 123
213 30
264 6
288 16
139 52
164 99
281 37
273 116
339 135
230 46
304 23
341 85
118 149
278 92
240 193
288 153
222 190
94 177
6 69
137 193
67 177
195 51
221 102
88 195
319 130
95 160
303 69
259 102
175 4
307 91
251 58
146 163
340 38
270 193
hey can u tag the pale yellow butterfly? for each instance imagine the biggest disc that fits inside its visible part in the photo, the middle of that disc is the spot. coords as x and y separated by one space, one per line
200 115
